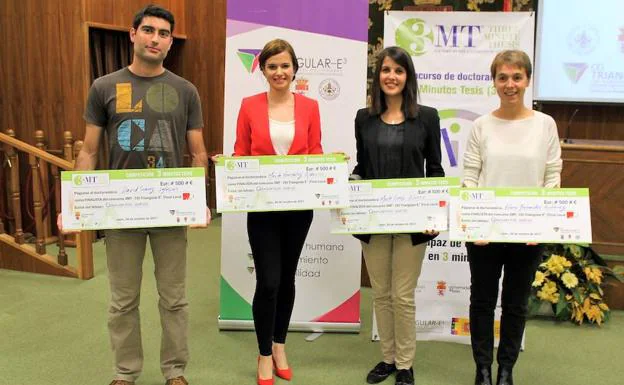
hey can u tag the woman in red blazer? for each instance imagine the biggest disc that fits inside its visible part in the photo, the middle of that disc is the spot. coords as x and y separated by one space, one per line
253 136
276 122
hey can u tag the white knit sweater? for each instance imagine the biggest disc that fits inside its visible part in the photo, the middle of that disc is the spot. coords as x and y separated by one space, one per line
513 153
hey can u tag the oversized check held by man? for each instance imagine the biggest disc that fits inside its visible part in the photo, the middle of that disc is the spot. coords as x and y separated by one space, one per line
133 198
394 206
537 215
281 183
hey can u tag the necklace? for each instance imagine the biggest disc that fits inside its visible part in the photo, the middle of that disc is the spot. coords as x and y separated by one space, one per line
396 118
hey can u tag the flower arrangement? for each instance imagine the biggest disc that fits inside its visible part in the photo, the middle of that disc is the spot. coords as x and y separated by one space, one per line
570 280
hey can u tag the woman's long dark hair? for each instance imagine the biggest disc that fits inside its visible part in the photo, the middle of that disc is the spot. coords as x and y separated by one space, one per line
410 91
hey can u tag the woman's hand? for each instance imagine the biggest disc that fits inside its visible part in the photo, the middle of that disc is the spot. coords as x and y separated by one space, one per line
431 232
347 157
215 158
481 243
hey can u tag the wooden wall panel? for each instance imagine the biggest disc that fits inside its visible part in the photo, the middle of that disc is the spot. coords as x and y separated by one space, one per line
592 121
44 108
121 13
43 61
204 63
31 91
601 169
74 75
204 66
13 55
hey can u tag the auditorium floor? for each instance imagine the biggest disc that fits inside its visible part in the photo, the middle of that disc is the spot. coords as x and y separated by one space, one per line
53 331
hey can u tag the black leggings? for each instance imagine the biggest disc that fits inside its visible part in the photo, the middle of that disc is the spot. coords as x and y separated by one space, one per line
276 240
486 264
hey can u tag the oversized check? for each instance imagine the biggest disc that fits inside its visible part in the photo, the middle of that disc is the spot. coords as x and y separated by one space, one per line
394 206
520 215
117 199
280 183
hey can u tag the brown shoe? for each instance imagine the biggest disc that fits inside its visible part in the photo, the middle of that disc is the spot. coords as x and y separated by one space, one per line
121 382
177 381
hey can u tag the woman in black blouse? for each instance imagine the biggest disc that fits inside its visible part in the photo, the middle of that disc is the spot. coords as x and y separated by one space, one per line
396 138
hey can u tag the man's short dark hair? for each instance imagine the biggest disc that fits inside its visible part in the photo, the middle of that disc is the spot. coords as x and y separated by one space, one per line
154 11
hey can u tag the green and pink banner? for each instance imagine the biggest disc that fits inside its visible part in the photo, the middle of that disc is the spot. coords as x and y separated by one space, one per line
330 40
452 53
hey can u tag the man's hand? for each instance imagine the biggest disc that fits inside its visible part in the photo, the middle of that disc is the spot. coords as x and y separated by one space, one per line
59 224
432 232
208 220
481 243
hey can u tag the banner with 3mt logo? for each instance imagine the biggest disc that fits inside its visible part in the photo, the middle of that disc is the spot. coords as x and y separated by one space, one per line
452 53
330 40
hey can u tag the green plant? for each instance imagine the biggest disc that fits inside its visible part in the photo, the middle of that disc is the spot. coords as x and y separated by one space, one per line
570 278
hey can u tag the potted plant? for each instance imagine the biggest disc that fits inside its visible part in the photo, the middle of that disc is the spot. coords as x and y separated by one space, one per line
570 280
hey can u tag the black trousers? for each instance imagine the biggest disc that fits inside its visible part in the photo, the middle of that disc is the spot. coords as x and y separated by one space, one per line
486 264
276 240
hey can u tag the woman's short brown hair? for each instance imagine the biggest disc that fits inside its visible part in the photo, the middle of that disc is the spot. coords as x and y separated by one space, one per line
514 58
275 47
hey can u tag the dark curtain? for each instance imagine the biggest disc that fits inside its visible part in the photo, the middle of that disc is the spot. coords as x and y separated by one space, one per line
109 51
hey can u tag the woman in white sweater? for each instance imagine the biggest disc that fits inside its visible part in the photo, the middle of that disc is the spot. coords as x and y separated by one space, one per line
513 146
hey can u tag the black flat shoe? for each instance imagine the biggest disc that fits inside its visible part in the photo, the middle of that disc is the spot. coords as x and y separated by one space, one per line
405 377
380 372
504 376
483 376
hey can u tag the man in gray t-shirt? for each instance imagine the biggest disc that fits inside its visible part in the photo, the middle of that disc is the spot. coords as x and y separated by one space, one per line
146 118
150 116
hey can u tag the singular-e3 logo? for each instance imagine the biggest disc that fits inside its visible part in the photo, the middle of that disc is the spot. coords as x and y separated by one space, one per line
249 58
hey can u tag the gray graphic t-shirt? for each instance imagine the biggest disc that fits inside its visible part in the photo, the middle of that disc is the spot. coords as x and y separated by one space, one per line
145 119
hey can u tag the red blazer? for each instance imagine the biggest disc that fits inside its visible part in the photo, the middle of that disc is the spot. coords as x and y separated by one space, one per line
252 129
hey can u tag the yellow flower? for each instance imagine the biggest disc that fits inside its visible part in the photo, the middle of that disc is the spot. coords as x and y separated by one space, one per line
586 304
577 314
550 287
603 306
594 314
557 264
593 274
549 292
569 280
539 279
